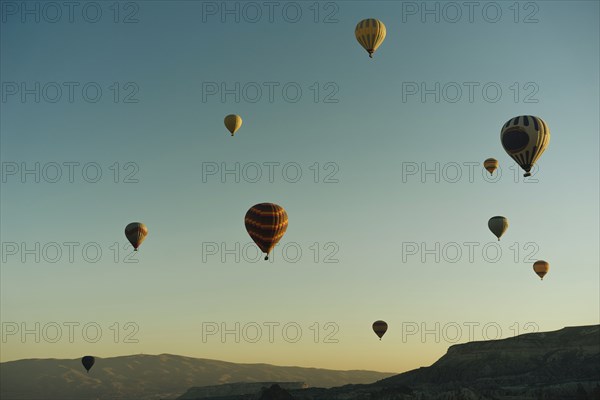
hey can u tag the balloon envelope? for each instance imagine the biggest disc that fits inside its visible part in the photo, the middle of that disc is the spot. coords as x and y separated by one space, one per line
541 268
370 33
88 362
380 327
491 164
136 232
525 138
233 123
498 225
266 224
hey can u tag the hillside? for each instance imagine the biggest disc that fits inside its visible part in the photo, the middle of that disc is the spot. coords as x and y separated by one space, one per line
560 365
150 377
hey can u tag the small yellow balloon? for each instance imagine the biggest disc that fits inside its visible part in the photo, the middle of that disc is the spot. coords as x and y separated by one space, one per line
233 123
370 33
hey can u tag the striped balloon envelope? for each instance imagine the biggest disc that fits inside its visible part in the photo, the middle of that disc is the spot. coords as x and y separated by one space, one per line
541 268
380 328
370 33
498 225
525 138
266 224
136 232
491 164
233 123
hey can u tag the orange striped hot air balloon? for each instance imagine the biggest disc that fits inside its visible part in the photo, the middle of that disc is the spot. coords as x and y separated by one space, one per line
541 268
490 164
136 232
380 328
266 224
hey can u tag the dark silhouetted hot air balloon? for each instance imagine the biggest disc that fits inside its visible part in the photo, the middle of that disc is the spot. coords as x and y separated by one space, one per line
136 232
370 33
525 138
380 328
233 123
490 164
266 224
88 362
498 225
541 268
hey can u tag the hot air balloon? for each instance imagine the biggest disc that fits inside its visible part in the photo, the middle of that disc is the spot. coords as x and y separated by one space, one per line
525 138
498 225
380 327
233 123
541 268
370 33
266 224
136 232
88 362
490 164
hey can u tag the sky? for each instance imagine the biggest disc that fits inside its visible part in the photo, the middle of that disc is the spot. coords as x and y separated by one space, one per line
113 113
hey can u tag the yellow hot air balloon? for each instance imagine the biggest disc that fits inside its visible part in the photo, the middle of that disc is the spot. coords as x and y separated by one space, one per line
233 123
380 328
498 225
370 33
136 232
491 164
525 138
541 268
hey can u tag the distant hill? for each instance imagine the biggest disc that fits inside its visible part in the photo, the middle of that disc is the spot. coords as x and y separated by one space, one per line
559 365
151 377
568 355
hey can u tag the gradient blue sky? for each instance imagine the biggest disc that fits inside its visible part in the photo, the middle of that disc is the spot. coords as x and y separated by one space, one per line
369 214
